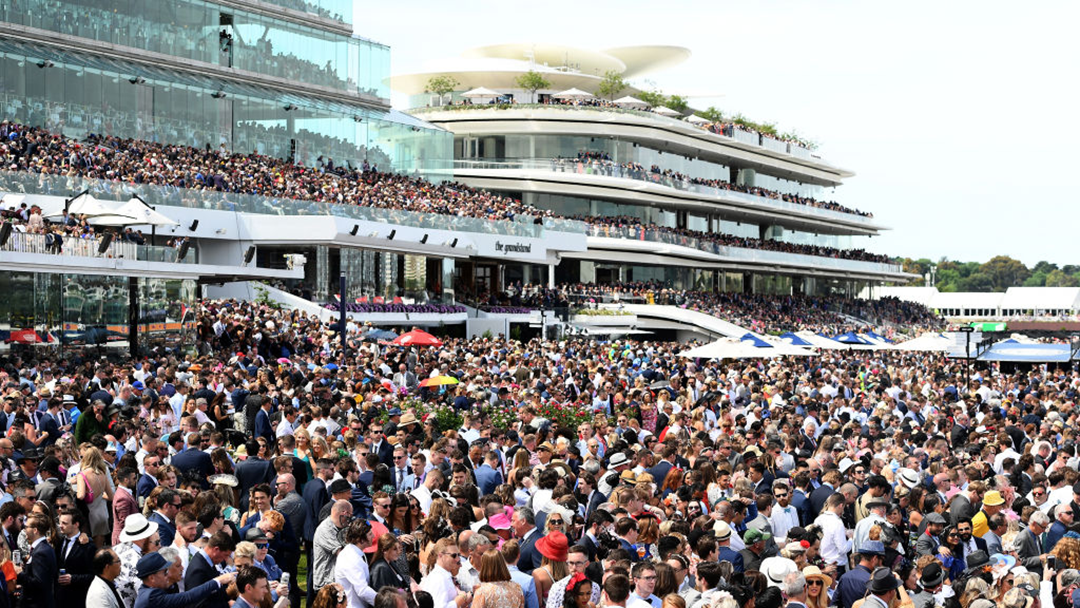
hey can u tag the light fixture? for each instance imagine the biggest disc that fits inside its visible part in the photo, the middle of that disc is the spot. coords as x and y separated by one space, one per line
249 255
355 229
218 95
194 225
392 234
289 108
423 240
357 119
453 243
136 80
45 63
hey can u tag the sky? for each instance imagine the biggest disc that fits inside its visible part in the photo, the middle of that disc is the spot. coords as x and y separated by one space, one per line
960 119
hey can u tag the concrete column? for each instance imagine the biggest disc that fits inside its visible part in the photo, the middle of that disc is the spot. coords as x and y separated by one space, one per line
551 276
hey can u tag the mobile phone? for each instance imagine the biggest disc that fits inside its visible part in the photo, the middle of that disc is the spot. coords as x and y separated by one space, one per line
1051 562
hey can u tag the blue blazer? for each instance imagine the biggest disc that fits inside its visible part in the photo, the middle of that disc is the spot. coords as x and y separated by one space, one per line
530 557
263 427
727 554
38 578
487 479
161 598
165 529
146 485
199 572
198 461
315 497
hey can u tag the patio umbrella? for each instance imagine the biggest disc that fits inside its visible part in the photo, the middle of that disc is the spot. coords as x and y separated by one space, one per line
697 120
417 337
86 204
794 340
573 94
481 93
665 111
731 348
380 334
630 102
438 381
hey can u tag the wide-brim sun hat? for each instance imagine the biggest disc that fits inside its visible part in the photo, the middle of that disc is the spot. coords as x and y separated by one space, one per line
810 572
553 546
136 527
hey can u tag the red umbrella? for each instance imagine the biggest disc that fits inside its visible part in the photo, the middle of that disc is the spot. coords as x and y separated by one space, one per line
417 338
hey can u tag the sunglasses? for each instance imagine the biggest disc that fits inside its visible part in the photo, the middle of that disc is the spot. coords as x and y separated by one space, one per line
816 583
555 522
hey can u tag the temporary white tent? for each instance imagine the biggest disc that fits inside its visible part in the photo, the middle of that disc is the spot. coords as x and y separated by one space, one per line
665 111
481 93
86 204
731 348
573 94
630 102
821 341
928 342
697 120
787 349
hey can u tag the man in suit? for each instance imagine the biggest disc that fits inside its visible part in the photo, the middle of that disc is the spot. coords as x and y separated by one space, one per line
724 552
660 471
403 476
591 498
1063 521
168 506
829 482
998 526
252 472
193 461
263 428
38 576
524 526
50 423
148 481
315 497
969 544
488 476
124 501
76 558
253 586
1030 552
153 570
929 541
379 445
205 566
627 533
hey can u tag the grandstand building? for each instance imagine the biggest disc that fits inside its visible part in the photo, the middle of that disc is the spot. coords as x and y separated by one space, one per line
563 149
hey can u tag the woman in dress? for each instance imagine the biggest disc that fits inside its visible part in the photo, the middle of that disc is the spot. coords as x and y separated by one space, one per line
94 487
496 589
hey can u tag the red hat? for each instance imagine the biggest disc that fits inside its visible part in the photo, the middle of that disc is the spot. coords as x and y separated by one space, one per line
554 546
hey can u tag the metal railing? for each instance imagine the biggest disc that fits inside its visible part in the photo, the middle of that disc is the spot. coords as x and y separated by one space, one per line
575 166
745 254
70 246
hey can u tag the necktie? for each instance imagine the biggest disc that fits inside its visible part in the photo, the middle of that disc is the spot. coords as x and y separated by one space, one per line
400 478
63 553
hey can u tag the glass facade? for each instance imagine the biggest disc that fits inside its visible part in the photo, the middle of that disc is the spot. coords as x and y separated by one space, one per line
203 31
514 147
338 10
72 312
78 95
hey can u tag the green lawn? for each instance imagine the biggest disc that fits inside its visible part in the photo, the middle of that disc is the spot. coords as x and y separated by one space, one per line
301 580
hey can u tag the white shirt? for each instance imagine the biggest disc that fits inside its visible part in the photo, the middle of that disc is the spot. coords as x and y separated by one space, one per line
284 427
835 544
440 584
351 572
783 519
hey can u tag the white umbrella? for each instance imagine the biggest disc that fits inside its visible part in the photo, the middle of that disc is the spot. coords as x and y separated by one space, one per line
573 94
697 120
731 348
787 349
480 93
820 341
135 213
665 111
86 204
630 102
927 342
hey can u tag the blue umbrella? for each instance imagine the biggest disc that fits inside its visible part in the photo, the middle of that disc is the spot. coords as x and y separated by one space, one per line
380 334
756 341
877 337
794 340
850 338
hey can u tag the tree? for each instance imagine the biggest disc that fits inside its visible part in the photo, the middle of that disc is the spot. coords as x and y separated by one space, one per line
711 115
678 103
653 98
1005 272
441 86
532 81
1058 278
611 85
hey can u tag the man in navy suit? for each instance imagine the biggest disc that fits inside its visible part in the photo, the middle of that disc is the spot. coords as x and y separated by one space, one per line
315 497
195 462
252 471
152 569
165 517
660 471
487 475
401 471
626 531
50 423
204 567
263 428
76 558
829 483
38 576
524 526
724 552
587 490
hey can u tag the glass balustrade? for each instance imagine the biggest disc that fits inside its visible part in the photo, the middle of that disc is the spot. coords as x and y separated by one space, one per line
69 246
592 168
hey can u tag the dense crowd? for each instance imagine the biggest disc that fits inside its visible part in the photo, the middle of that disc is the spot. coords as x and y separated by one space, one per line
569 474
208 170
631 227
600 162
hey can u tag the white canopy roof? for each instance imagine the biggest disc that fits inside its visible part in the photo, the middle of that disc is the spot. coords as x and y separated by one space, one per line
665 111
134 213
630 102
573 94
697 120
927 342
731 348
480 93
86 204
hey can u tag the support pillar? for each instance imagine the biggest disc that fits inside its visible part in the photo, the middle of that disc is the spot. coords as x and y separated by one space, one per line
133 316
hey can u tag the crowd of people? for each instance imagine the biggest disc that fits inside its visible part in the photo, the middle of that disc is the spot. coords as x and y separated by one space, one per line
592 161
141 162
561 474
622 226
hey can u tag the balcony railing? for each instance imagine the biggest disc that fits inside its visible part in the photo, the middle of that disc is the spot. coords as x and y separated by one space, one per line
752 138
70 246
586 168
761 256
521 225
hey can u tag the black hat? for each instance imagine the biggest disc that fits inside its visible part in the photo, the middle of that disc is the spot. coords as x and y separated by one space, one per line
977 558
151 563
882 581
932 576
339 485
30 453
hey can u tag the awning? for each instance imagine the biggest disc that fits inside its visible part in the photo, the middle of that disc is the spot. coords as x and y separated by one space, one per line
1017 352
